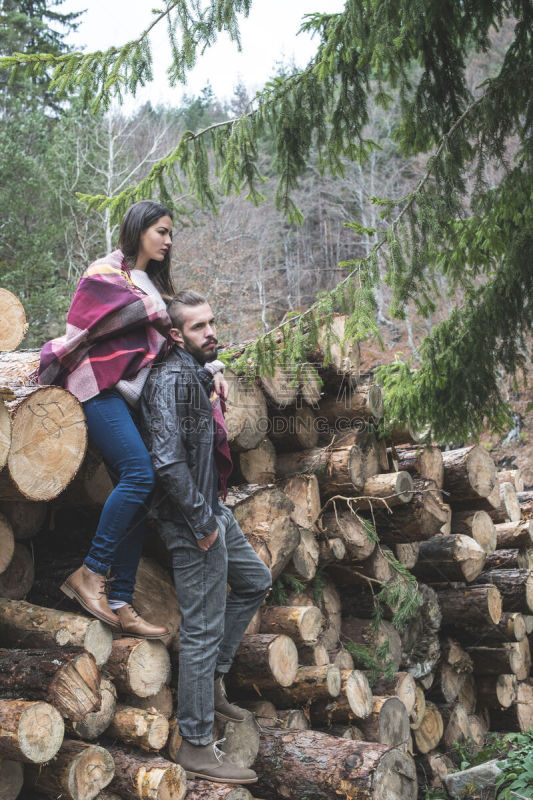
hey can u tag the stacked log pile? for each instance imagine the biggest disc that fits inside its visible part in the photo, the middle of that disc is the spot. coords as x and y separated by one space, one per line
338 702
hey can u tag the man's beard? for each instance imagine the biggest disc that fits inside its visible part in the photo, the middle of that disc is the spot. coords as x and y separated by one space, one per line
201 355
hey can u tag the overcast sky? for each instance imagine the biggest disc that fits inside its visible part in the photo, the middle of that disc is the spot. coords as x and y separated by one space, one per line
269 35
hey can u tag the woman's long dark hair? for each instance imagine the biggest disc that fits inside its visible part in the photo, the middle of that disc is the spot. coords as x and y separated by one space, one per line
136 220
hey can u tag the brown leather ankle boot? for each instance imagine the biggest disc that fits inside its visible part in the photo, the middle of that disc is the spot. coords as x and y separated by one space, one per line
211 764
89 589
132 624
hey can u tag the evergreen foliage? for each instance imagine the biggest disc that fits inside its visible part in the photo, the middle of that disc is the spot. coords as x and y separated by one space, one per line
468 218
31 26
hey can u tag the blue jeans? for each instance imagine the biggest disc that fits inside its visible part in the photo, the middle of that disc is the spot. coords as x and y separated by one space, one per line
117 544
212 624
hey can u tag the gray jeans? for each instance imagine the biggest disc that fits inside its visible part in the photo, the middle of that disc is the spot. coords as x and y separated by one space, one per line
212 622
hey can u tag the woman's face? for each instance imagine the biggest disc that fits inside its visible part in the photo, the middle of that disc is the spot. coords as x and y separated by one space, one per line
155 242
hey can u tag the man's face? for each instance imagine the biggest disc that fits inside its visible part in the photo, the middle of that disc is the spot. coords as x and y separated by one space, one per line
198 333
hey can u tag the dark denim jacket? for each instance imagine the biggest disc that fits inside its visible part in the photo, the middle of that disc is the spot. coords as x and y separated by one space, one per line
176 420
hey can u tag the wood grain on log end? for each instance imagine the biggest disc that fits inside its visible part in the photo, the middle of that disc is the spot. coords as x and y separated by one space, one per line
30 731
49 440
13 324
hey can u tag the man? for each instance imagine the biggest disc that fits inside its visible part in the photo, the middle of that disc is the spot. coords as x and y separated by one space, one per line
208 548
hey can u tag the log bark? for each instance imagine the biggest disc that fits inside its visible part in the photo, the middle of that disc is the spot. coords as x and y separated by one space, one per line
139 728
425 516
455 558
349 528
16 580
339 470
48 443
13 324
310 684
422 461
67 679
519 715
497 691
26 518
259 465
510 558
515 586
29 731
514 534
246 413
470 605
388 723
7 543
95 723
304 492
293 429
154 597
478 525
146 777
332 768
428 735
78 772
205 790
266 659
301 623
25 624
138 666
469 473
263 513
11 778
509 658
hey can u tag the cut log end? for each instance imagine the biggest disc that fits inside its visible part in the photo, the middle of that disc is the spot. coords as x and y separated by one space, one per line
49 443
5 433
283 660
40 732
395 777
13 324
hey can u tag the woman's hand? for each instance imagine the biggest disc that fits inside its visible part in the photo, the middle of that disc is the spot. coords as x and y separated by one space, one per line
221 385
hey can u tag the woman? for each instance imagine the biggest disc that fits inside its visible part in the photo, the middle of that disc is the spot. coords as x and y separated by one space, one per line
116 327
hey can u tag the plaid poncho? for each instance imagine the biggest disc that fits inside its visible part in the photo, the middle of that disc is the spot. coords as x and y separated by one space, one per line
113 330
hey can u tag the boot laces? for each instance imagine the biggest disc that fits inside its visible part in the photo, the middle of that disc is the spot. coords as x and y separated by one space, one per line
217 751
106 585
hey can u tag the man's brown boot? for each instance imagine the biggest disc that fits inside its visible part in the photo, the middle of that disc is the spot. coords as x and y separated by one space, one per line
211 764
132 624
89 589
223 708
